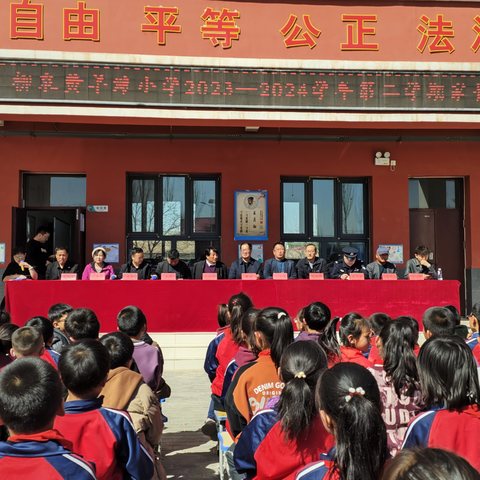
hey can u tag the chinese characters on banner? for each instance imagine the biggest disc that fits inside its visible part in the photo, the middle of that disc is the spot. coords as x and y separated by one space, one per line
221 87
221 27
251 215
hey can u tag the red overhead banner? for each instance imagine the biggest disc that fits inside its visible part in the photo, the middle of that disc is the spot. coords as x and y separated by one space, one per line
442 32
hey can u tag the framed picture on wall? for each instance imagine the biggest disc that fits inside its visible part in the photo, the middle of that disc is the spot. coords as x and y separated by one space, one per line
251 215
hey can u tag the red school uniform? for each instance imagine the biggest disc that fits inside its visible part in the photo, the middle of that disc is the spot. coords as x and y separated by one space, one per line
353 355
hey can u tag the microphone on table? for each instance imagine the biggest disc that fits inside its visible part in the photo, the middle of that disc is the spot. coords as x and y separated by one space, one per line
113 277
154 277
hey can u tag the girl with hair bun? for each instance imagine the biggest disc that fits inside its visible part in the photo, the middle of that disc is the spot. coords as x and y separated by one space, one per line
450 388
278 441
348 398
257 382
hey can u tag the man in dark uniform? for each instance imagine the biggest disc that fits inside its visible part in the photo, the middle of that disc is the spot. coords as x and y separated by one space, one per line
173 264
137 264
211 264
349 264
381 264
37 254
60 265
311 263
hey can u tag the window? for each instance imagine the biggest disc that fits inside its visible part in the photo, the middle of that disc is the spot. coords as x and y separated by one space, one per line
54 190
330 212
435 193
168 212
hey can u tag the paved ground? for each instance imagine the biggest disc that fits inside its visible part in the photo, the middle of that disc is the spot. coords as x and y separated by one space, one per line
186 452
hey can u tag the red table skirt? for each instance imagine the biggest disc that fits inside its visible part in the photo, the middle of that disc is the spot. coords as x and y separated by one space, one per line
191 305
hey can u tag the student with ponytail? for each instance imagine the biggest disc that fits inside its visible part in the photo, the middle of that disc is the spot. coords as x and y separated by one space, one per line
397 378
450 387
278 441
229 345
355 335
255 383
318 325
350 408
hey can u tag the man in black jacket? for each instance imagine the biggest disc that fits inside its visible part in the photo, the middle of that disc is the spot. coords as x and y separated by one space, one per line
311 263
173 264
137 264
211 264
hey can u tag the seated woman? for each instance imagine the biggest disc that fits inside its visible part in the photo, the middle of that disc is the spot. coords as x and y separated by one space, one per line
19 269
98 265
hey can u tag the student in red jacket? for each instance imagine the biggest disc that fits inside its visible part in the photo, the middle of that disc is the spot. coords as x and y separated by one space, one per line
229 345
257 382
355 335
376 321
450 387
101 435
30 398
280 440
350 408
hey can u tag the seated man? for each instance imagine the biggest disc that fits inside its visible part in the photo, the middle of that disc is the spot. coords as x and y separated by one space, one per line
420 264
173 264
19 269
137 264
211 264
349 264
279 264
381 264
30 398
60 265
245 264
103 436
311 263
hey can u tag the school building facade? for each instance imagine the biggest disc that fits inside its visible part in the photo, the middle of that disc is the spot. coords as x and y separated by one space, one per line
202 123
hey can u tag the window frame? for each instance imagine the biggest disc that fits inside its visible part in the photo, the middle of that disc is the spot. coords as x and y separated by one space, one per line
213 238
338 236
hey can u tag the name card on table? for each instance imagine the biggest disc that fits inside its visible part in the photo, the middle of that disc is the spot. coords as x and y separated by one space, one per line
209 276
389 276
357 276
249 276
416 276
97 276
168 276
316 276
280 276
130 276
68 276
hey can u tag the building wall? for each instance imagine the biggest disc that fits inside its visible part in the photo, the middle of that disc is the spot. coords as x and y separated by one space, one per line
242 165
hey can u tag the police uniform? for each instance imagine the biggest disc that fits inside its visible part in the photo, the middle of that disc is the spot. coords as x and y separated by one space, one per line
340 267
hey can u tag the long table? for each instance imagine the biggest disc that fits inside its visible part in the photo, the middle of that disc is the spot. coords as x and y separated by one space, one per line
191 305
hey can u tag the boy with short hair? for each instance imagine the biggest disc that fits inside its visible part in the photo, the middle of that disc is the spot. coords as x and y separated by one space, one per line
57 314
82 323
103 436
30 398
438 322
45 328
149 359
27 342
